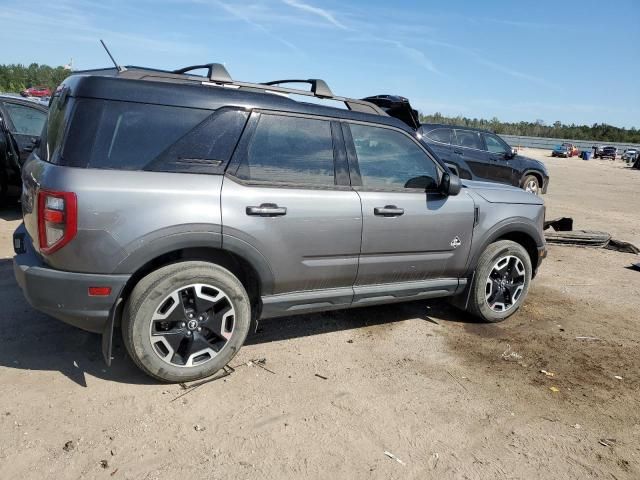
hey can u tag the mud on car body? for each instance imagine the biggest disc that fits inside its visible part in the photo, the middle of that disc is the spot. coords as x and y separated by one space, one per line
181 207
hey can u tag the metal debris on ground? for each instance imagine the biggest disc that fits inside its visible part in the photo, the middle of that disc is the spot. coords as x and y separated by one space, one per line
593 339
577 426
199 428
226 371
548 374
554 389
392 456
321 376
260 363
510 356
617 377
607 442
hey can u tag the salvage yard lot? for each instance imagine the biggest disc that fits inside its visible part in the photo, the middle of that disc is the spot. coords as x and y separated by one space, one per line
449 397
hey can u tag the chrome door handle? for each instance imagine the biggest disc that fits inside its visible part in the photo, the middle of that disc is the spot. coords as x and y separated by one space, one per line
388 211
267 210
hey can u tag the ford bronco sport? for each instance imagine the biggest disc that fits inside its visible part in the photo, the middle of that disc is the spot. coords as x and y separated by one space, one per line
182 208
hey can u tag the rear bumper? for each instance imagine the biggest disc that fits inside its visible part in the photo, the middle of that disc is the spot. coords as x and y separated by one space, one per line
65 295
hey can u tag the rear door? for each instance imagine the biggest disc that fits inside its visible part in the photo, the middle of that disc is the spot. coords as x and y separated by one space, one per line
412 241
467 146
25 124
500 168
286 195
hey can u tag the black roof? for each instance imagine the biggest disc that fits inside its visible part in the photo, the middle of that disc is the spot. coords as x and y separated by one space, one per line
217 89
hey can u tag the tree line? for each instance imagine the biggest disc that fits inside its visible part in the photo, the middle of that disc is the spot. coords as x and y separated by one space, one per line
600 132
15 77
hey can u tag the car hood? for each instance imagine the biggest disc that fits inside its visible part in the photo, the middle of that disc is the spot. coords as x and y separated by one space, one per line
499 193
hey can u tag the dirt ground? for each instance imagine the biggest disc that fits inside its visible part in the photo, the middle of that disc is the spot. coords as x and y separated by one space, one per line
449 397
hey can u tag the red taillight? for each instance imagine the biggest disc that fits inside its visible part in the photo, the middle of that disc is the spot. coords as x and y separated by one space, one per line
99 291
57 219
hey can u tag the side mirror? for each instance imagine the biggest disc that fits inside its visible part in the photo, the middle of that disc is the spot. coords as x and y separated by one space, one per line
423 182
450 184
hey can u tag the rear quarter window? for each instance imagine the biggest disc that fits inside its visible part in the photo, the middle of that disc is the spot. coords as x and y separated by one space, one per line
107 134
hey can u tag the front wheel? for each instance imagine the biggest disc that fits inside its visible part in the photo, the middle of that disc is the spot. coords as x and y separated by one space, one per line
186 321
501 282
531 184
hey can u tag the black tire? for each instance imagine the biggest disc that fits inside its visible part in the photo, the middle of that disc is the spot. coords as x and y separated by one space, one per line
478 303
149 295
533 182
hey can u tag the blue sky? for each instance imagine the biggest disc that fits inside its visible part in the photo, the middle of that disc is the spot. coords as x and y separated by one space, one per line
509 59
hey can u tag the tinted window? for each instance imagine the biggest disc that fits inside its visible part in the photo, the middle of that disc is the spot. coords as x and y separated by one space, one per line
495 145
290 150
468 138
125 135
388 159
52 134
442 135
26 120
131 135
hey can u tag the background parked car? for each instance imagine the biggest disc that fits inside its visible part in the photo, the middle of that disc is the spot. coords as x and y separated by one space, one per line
630 155
21 123
36 92
561 151
607 152
571 149
481 155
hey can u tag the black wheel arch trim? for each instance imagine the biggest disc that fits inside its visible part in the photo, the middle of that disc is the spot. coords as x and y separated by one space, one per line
506 227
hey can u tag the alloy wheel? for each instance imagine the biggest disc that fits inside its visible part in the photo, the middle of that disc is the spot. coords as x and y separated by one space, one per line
191 325
505 283
532 187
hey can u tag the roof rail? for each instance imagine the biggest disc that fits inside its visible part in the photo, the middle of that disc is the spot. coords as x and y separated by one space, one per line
217 72
318 87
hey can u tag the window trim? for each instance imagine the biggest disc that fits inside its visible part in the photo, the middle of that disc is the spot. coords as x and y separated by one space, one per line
354 163
472 148
242 149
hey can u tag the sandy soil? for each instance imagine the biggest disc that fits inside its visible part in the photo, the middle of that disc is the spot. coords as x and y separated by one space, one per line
449 397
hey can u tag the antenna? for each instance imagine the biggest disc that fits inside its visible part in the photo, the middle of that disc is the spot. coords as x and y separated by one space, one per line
118 67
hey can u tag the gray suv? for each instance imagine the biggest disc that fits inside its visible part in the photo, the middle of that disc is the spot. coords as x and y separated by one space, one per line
182 208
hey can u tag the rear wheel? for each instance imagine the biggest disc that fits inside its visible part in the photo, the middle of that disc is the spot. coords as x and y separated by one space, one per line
186 321
501 282
531 184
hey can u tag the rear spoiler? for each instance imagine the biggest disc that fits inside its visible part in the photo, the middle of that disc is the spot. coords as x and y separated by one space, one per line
398 107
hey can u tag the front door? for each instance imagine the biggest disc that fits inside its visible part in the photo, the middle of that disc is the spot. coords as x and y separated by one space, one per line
467 146
286 195
500 167
410 238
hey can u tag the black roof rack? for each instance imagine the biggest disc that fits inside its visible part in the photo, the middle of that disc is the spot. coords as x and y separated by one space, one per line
217 74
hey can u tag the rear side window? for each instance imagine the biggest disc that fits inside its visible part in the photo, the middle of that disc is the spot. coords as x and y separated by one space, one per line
26 120
290 150
135 136
53 132
441 135
469 139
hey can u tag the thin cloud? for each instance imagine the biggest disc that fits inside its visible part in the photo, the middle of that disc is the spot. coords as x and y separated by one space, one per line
241 16
416 56
320 12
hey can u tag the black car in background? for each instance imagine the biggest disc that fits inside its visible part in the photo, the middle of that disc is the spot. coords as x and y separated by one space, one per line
476 154
21 123
470 153
607 152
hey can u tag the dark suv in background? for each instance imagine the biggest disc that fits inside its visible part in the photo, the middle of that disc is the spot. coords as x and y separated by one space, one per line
470 153
476 154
